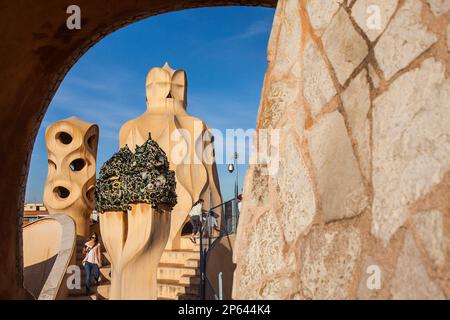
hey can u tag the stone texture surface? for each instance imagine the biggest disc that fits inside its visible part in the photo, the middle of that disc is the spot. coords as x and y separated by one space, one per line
364 152
260 180
278 289
265 247
411 281
297 199
282 95
430 228
345 47
318 86
372 16
366 292
448 37
329 260
339 181
410 143
439 6
321 12
356 101
290 28
405 38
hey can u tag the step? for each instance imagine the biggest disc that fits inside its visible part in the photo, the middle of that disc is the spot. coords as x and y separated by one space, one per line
83 297
187 297
103 291
104 271
167 290
186 243
175 271
171 289
81 291
106 255
189 280
178 256
193 263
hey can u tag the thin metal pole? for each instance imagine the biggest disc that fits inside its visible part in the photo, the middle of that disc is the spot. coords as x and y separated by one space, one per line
236 193
220 286
202 273
208 220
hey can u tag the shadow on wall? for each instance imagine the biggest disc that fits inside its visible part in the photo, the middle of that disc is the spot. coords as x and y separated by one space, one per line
220 259
48 249
35 275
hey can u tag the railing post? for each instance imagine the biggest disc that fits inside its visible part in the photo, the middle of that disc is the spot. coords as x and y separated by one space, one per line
220 286
202 272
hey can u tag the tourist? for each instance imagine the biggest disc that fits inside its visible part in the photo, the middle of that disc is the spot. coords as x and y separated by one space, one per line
212 224
92 260
195 216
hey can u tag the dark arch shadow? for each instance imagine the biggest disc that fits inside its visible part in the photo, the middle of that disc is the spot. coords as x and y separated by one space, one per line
37 52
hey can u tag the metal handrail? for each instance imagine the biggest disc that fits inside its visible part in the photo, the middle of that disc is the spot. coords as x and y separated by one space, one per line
204 251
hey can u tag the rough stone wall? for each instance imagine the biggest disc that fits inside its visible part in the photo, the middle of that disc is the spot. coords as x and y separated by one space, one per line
363 186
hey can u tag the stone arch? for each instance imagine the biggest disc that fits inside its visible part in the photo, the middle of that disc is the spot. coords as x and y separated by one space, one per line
37 52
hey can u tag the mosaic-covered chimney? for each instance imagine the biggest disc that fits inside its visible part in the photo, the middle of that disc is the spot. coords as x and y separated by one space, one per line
135 194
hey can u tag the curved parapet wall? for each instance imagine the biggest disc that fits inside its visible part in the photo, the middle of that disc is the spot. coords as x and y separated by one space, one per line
48 249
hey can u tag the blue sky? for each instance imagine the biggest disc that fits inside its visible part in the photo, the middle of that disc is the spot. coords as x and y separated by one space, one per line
223 51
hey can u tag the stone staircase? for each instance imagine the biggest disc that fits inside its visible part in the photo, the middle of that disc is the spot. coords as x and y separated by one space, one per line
178 274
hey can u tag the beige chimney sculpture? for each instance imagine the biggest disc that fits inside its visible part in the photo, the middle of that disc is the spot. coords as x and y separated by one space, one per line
70 185
181 137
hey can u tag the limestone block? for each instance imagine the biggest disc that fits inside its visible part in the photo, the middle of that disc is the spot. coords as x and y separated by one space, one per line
405 39
329 260
321 12
411 281
277 289
288 45
282 96
371 272
181 137
430 228
70 185
372 16
273 38
264 254
339 181
318 87
448 37
258 195
439 7
296 196
345 47
356 101
410 143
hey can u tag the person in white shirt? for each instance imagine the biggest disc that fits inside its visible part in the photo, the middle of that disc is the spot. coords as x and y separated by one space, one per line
92 260
212 224
195 216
